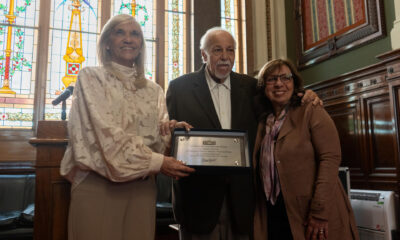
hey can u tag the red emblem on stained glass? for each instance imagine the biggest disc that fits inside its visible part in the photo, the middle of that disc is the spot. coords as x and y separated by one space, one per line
73 68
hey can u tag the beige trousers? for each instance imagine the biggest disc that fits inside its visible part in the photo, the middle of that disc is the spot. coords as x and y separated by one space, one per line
104 210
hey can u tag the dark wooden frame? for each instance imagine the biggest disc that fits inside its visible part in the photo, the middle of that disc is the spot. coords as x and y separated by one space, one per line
372 30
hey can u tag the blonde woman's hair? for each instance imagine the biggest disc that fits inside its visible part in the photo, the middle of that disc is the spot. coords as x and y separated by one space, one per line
104 54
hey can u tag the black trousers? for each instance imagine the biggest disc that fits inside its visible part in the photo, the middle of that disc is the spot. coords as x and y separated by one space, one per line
278 222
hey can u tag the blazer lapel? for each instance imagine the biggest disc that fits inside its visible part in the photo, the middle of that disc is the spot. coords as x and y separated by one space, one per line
236 102
287 126
202 93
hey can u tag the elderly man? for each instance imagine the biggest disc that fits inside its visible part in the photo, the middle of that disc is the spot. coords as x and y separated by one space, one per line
215 206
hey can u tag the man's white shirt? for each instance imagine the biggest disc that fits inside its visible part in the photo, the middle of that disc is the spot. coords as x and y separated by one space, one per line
221 96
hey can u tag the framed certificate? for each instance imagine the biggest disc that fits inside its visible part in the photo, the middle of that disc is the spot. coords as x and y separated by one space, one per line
211 149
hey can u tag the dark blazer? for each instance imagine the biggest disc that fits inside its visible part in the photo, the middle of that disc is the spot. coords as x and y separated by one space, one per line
197 199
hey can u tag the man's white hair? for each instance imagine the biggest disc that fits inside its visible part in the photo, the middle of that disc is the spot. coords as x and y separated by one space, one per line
205 41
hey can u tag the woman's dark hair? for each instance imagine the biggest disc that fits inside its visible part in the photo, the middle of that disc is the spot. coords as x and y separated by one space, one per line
262 103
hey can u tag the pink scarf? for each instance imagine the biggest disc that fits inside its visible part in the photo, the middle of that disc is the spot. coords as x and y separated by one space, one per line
269 173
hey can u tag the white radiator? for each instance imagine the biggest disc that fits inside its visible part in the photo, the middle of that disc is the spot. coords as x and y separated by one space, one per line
375 213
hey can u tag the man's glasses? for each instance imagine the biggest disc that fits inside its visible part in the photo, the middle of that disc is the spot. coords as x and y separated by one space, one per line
285 78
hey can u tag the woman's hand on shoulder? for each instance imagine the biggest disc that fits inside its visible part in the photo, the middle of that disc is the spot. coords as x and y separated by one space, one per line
316 229
167 127
174 168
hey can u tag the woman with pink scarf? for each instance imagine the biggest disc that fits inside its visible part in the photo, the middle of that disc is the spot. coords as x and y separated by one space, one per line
296 160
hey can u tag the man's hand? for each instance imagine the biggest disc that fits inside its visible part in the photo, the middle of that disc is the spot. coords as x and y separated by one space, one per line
310 96
174 168
316 229
167 127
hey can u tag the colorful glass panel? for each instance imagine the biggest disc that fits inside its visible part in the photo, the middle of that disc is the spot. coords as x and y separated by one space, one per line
18 36
230 21
74 28
175 40
145 13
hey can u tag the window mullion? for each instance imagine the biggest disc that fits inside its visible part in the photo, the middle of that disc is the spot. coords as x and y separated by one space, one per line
160 43
105 12
240 37
41 59
189 37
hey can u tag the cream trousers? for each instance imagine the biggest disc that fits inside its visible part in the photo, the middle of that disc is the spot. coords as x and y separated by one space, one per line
105 210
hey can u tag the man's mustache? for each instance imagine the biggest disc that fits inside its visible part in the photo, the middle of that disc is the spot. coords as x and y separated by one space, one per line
224 63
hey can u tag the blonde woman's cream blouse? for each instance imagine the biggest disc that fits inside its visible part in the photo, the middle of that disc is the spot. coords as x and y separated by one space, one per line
114 127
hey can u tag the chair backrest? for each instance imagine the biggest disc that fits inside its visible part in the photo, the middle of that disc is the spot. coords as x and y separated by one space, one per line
16 191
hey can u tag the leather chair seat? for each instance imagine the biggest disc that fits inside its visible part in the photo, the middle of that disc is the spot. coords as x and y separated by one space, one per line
17 194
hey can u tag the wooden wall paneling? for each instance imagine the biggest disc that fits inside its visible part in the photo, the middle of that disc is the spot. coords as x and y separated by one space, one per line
52 194
345 115
379 140
14 146
365 106
394 92
393 78
392 63
52 191
60 199
42 227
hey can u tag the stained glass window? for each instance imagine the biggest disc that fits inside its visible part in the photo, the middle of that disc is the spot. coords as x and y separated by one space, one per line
71 29
230 21
144 11
175 40
74 28
18 38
